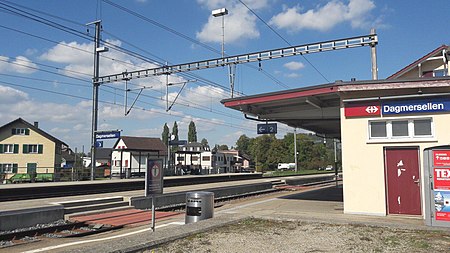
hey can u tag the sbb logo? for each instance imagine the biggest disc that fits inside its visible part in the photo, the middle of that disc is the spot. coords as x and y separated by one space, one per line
372 109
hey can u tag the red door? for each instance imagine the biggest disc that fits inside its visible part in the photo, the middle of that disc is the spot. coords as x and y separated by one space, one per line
402 177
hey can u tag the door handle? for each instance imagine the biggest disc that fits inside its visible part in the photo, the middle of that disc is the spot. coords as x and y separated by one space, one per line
417 181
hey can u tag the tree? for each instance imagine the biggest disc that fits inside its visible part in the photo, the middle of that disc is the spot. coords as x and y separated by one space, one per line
175 135
222 147
243 144
204 142
175 130
259 150
276 153
165 134
192 133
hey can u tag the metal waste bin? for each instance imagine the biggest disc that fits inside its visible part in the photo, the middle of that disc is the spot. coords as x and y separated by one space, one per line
199 206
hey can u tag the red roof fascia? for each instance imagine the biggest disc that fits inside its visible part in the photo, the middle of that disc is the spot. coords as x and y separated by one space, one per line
269 98
412 65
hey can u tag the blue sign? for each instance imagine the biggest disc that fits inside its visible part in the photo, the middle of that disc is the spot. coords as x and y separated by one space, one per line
178 143
267 128
415 106
107 135
99 144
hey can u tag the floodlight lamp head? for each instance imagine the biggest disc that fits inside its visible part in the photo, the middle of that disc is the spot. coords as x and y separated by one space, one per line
219 12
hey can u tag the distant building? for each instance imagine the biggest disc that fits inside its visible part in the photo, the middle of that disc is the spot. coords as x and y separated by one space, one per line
130 155
102 155
196 158
433 64
25 148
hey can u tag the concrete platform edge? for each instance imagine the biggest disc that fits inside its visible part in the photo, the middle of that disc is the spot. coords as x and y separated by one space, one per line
161 236
30 217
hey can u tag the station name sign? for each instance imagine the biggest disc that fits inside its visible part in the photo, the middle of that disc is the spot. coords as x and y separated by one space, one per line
107 135
374 109
415 106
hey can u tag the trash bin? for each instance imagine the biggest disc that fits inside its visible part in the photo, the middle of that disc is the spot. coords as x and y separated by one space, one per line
199 206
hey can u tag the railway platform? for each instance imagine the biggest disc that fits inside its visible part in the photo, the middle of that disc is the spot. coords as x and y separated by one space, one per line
23 213
319 204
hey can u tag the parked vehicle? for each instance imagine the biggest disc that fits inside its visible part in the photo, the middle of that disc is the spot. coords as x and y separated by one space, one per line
329 168
286 166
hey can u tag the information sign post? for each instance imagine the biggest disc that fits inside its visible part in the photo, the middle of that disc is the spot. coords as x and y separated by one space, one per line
154 182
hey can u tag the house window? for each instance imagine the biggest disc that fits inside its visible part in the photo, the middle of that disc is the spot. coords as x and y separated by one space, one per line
180 159
422 127
378 129
206 158
20 131
194 158
401 129
9 148
33 148
117 163
8 167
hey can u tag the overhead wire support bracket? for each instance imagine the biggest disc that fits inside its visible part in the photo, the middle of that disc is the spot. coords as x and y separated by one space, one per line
127 112
179 92
352 42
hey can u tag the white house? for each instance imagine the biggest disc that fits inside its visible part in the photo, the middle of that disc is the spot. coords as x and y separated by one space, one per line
130 155
196 158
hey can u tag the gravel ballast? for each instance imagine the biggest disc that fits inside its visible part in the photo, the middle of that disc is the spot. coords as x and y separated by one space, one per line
259 235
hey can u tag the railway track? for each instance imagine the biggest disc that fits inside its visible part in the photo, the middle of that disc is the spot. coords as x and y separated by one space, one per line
104 222
76 229
63 189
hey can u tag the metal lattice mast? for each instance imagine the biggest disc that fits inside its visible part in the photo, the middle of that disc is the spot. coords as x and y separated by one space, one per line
359 41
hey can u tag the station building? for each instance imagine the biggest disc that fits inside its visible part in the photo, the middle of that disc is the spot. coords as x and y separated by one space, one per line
395 135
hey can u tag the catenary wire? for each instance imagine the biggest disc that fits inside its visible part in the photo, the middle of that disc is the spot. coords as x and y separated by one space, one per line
279 35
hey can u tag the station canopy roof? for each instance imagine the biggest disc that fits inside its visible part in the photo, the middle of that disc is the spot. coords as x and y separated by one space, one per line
314 108
317 108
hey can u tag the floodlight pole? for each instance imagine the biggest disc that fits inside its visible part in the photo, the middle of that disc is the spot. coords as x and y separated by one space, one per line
232 67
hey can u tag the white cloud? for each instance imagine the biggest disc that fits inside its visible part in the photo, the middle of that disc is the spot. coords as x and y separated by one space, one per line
9 95
78 60
323 18
58 130
293 75
293 65
153 132
240 23
20 64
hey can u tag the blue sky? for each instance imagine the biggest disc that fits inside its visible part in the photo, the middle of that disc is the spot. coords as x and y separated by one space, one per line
45 72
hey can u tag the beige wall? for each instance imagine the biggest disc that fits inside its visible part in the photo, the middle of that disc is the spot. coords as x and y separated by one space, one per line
45 161
363 162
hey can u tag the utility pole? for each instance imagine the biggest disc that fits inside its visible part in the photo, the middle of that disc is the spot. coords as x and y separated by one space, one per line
95 84
373 53
295 149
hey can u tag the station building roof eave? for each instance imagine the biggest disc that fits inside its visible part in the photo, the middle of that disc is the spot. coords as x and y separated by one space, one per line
317 108
314 108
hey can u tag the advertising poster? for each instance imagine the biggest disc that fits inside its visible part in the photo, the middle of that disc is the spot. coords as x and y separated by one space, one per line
441 157
442 205
442 178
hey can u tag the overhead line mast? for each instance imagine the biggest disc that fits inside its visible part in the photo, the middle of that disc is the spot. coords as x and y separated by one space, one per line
352 42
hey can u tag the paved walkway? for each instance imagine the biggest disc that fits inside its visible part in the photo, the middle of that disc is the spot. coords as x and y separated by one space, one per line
314 205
